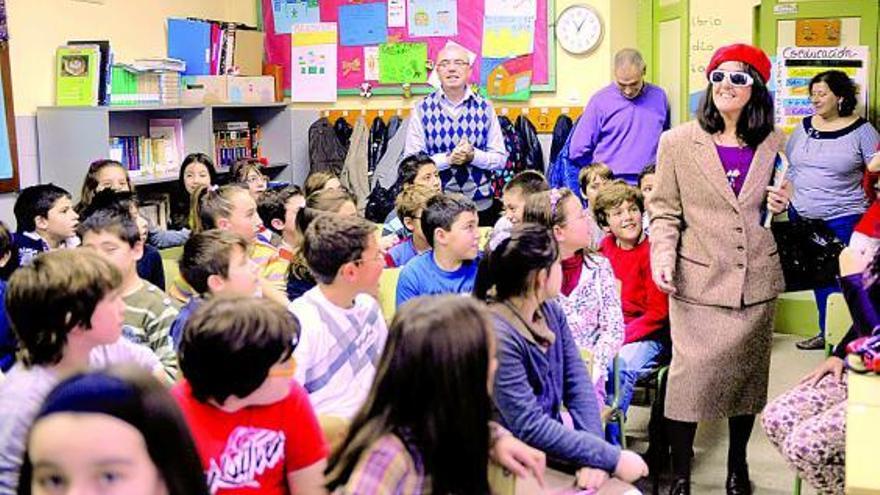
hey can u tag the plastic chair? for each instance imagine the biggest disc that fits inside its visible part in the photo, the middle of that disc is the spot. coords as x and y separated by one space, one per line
387 296
485 232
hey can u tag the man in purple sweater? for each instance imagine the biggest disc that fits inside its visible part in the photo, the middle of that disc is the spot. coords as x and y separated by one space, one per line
622 123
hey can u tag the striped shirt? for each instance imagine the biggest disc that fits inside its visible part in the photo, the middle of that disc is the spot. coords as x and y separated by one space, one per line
149 314
338 351
387 468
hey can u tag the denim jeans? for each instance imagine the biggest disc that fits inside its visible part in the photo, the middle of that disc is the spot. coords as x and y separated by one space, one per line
635 360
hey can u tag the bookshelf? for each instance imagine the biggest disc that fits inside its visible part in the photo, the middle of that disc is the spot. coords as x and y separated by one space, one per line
72 137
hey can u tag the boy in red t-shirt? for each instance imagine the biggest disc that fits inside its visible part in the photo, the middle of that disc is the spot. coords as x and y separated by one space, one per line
618 209
253 424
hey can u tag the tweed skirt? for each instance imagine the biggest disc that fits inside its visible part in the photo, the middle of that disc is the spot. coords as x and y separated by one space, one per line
720 360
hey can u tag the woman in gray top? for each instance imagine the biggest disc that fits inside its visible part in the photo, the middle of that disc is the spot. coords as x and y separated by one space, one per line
828 154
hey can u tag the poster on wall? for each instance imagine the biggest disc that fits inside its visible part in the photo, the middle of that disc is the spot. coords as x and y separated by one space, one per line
290 12
313 62
433 18
795 66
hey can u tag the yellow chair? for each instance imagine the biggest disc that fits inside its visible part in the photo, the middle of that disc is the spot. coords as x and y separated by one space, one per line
837 320
388 292
335 429
170 258
485 232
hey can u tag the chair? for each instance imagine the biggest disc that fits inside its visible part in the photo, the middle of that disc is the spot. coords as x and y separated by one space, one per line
650 384
388 292
170 258
485 232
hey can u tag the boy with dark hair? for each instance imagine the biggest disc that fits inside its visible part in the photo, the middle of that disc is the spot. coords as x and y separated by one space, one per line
449 223
619 208
111 231
214 262
343 328
252 423
415 169
646 185
45 220
409 206
516 193
277 209
61 306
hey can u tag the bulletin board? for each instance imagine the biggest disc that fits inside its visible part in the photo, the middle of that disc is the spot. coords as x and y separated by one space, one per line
468 32
8 147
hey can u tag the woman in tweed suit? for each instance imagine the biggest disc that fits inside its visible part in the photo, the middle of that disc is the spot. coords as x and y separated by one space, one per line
710 252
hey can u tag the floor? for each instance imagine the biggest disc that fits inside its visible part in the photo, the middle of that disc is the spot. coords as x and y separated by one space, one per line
769 473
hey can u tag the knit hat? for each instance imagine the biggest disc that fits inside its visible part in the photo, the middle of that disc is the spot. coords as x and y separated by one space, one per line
740 52
96 393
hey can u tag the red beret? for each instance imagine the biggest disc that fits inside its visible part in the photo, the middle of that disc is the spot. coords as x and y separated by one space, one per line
741 52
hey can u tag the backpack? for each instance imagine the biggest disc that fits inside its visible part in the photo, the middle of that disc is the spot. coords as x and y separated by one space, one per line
325 150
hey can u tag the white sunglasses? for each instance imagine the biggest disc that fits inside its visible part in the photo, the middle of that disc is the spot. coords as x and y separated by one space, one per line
735 78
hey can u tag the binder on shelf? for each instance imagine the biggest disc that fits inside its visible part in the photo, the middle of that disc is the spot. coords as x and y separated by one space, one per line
104 83
77 75
248 52
190 40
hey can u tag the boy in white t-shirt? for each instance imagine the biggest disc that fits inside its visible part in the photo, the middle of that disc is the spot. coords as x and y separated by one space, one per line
343 331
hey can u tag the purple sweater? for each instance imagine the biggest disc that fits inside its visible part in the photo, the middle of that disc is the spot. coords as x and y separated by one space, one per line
619 132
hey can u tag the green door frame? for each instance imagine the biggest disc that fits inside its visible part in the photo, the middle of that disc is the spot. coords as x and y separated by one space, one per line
867 10
656 15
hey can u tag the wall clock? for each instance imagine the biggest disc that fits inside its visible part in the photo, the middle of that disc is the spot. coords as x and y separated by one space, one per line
579 29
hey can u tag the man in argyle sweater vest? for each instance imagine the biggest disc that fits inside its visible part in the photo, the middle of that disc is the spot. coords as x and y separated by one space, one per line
458 129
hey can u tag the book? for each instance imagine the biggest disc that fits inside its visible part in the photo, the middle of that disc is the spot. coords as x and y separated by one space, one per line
189 40
77 75
248 52
104 84
169 134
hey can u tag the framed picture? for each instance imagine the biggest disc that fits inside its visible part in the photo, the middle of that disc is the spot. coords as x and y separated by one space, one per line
8 147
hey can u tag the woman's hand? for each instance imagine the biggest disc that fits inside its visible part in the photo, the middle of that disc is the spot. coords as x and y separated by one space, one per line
519 458
832 365
587 478
778 198
663 276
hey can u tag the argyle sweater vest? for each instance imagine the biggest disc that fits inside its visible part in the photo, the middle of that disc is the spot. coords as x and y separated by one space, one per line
442 133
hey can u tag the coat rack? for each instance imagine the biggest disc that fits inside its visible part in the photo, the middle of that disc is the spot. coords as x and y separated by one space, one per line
543 118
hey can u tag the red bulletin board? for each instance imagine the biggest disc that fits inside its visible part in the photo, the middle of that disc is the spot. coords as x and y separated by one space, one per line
470 35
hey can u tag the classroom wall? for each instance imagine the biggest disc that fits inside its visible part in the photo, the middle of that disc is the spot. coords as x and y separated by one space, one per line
136 29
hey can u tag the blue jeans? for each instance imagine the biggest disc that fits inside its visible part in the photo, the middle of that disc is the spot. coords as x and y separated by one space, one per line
636 360
843 229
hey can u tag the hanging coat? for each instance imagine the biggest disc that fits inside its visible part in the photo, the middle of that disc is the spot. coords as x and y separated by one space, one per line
343 132
354 176
378 143
530 147
561 130
325 150
514 163
564 172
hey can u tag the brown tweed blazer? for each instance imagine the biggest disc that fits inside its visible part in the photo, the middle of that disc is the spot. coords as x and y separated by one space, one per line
721 254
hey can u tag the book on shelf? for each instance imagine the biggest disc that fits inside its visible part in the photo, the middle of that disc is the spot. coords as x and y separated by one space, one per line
146 82
169 132
236 140
144 156
77 75
104 86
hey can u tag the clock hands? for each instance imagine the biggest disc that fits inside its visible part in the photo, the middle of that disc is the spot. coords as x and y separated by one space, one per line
578 29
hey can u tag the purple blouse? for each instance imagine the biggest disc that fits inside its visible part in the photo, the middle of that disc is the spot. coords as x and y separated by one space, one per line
736 162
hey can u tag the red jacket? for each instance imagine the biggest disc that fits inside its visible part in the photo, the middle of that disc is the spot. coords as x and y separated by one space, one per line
645 307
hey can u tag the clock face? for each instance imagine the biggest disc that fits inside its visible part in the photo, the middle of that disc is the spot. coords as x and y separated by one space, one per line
579 29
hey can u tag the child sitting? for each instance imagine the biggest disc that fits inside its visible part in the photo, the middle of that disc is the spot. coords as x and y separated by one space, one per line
8 343
449 223
252 423
45 221
619 208
61 306
343 328
319 181
338 201
149 313
214 262
278 209
539 367
516 193
424 429
590 179
414 169
409 206
232 208
248 172
196 170
589 293
647 179
151 451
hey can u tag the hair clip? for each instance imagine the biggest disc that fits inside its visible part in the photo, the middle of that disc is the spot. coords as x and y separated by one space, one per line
213 188
555 196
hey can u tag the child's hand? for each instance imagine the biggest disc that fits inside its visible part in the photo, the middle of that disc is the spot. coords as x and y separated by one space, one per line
587 478
833 365
519 458
630 467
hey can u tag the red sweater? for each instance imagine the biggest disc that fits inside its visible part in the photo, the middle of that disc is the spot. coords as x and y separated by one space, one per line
645 307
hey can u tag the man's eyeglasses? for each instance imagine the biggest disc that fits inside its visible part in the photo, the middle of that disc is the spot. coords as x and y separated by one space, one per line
445 64
735 78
